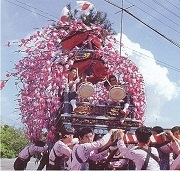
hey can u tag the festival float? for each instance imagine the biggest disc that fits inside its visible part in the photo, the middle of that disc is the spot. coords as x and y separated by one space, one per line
42 74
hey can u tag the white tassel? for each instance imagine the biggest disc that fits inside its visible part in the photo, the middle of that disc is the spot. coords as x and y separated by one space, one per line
73 103
126 105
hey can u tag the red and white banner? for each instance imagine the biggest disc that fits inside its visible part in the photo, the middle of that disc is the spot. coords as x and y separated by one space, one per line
157 139
64 14
84 7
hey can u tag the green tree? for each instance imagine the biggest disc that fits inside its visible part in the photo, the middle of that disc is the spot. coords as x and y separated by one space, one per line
12 141
98 18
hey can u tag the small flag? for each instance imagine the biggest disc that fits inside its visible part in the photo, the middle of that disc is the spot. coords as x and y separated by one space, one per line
85 7
65 14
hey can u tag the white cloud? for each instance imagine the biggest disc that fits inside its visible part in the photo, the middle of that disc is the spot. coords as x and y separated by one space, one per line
159 89
3 99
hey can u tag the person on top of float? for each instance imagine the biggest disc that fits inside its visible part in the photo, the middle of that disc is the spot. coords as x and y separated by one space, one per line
71 86
73 80
112 81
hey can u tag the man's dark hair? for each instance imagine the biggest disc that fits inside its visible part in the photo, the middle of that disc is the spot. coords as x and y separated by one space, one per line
157 129
67 131
143 134
175 128
111 76
106 84
84 131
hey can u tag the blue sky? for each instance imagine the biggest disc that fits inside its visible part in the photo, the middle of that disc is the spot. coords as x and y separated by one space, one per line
157 58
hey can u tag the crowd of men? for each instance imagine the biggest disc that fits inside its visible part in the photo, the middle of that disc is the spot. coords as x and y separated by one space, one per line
82 150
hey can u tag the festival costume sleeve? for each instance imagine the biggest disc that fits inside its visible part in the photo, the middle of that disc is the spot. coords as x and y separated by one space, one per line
73 163
63 149
176 164
85 149
176 147
98 156
38 149
60 148
166 149
31 149
105 138
139 156
24 153
129 153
